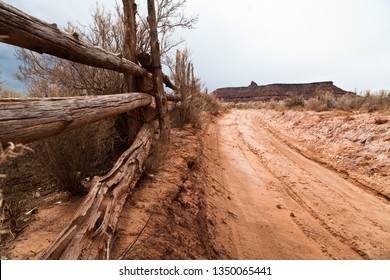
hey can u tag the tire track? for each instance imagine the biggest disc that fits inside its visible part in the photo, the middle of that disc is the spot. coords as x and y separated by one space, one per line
289 207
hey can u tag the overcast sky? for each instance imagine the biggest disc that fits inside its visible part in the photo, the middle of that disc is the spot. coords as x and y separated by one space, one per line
267 41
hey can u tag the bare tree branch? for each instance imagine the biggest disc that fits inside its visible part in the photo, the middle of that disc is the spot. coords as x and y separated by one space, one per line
43 72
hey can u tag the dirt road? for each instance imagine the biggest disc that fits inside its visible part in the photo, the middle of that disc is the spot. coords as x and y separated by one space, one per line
270 202
242 192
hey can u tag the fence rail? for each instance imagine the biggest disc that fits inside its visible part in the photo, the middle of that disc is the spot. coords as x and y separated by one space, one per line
91 231
22 30
23 120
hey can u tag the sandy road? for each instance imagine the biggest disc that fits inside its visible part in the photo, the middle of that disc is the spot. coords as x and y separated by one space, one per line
273 203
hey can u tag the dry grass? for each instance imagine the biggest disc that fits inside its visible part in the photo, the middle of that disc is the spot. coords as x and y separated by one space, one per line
84 152
276 105
79 154
369 102
8 216
322 102
58 163
295 101
8 93
189 89
11 151
198 103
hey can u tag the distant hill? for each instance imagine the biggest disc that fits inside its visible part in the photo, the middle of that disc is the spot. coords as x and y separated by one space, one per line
253 92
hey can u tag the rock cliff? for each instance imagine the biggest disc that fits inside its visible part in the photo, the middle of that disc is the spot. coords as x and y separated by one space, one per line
276 91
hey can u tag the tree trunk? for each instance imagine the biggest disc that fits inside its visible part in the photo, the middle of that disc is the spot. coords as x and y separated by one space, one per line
92 231
161 100
24 120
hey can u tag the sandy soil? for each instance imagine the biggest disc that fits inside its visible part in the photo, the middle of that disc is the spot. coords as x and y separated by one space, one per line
356 144
164 217
252 184
276 203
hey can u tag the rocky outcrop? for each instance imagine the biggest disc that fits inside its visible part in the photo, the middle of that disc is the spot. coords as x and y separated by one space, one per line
276 91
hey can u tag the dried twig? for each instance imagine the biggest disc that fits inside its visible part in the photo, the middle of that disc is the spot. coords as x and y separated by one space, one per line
128 249
11 151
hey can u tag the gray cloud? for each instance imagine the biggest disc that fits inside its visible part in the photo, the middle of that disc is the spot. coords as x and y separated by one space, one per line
270 41
292 41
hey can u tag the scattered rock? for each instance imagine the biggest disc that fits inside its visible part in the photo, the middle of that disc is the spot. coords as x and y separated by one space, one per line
381 121
233 214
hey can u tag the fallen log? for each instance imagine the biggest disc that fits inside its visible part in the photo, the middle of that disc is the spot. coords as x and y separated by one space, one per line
91 232
24 120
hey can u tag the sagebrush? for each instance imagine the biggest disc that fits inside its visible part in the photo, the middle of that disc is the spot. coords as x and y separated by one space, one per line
324 101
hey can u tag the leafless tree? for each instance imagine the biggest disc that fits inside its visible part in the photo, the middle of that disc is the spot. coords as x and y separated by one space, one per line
170 16
47 75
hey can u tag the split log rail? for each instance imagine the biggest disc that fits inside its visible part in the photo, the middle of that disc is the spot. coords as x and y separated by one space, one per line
90 234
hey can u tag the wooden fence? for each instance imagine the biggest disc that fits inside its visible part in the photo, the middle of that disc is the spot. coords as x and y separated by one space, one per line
90 234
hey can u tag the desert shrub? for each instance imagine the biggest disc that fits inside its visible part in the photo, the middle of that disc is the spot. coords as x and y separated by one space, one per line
321 102
315 105
272 104
295 101
206 102
200 102
349 102
369 102
246 105
78 154
376 102
384 100
8 215
189 90
180 116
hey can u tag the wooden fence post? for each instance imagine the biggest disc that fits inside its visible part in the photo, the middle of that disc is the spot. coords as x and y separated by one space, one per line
132 121
130 41
159 93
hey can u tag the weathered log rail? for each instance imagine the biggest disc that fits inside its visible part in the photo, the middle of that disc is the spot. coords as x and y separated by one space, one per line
90 234
23 120
20 29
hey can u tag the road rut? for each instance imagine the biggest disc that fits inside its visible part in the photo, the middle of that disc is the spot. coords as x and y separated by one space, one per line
271 202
